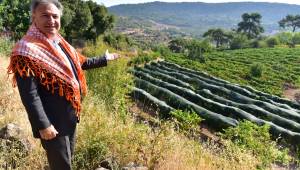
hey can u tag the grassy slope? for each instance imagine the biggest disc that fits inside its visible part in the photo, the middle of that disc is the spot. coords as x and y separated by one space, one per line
281 65
108 129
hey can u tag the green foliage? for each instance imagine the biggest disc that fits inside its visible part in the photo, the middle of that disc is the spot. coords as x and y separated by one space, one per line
257 139
239 41
195 51
90 154
296 38
234 66
188 122
256 70
118 41
5 46
284 37
83 18
290 21
192 48
178 45
163 50
143 58
251 25
103 21
108 84
219 36
15 17
272 42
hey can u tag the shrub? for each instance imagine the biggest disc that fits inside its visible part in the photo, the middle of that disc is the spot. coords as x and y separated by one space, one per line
239 41
143 58
256 70
284 37
188 122
272 41
163 50
296 38
257 139
118 41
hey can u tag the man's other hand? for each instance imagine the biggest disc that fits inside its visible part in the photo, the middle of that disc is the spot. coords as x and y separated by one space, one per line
48 133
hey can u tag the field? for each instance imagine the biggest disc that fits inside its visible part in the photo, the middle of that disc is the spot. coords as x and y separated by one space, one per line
220 103
280 67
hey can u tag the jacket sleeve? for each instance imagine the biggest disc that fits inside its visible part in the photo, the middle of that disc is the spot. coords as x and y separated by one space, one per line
28 89
94 62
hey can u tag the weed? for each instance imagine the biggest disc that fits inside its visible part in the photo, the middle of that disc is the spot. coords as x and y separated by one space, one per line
257 139
188 122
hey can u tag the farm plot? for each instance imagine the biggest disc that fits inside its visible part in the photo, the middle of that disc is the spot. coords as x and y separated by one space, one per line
221 104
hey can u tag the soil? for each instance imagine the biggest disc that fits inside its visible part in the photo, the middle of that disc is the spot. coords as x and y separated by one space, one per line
291 92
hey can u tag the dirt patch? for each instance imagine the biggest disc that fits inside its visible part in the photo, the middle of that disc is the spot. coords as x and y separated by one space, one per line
291 92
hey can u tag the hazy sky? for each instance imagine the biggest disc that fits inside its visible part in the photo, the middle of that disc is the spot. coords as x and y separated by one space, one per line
116 2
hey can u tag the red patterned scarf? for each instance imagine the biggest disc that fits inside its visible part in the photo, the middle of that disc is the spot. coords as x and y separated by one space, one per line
35 55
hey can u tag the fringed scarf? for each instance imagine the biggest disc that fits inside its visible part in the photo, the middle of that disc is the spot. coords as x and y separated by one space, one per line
35 55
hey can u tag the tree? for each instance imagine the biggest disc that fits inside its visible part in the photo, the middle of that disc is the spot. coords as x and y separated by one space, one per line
219 36
15 17
290 21
251 25
178 45
102 19
85 19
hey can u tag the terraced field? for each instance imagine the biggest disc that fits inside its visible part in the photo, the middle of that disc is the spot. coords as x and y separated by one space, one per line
221 104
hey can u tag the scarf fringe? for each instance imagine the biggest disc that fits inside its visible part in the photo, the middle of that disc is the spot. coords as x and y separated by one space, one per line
25 66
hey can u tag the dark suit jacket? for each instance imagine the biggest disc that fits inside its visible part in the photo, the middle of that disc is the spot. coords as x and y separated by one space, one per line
44 108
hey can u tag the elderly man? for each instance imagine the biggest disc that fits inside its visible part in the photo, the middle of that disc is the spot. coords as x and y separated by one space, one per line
51 82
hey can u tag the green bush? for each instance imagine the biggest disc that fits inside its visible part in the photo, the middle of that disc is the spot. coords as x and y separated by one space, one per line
118 41
284 37
143 58
257 139
256 70
239 41
272 42
188 122
163 50
296 38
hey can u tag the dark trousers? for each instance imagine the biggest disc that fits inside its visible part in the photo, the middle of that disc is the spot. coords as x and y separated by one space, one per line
60 151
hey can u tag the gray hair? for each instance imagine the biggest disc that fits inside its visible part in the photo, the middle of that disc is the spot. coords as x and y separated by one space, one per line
36 3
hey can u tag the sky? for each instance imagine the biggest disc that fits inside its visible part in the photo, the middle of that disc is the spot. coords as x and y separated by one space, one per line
109 3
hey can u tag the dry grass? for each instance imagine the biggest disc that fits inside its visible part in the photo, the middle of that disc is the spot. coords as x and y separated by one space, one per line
158 148
12 111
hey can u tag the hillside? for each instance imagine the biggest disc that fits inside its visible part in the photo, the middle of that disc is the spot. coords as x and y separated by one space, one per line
197 17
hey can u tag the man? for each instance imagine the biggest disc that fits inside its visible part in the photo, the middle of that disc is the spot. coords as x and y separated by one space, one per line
51 82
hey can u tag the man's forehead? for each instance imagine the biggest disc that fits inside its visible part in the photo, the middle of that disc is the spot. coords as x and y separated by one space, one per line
47 8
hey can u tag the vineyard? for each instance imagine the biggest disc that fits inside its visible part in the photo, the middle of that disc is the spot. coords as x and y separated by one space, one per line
221 104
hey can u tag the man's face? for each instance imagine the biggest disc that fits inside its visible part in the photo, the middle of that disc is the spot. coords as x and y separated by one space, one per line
46 18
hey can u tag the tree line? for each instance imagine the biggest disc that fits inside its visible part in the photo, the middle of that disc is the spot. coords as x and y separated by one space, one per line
249 28
81 19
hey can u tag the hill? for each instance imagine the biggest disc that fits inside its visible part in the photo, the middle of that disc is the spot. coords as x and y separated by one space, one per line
197 17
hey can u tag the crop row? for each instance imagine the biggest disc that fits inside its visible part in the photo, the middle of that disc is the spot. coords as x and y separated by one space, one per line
221 104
